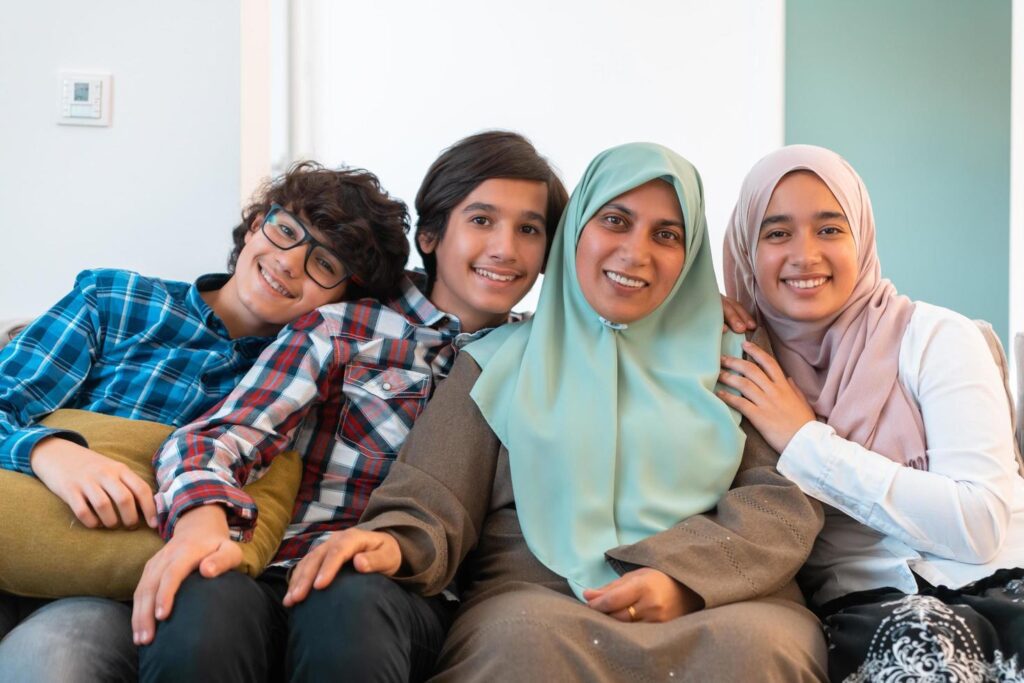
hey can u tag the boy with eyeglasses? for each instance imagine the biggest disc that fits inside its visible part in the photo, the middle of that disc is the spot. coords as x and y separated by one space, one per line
145 348
343 387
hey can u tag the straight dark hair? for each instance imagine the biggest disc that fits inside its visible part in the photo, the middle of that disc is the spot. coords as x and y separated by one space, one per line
466 164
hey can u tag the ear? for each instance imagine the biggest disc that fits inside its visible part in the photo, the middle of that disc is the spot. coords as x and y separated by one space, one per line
427 242
254 226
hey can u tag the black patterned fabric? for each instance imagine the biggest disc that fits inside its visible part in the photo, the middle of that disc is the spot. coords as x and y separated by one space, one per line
969 635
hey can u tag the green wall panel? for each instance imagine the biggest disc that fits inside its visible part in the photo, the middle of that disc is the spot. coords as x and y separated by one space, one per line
916 95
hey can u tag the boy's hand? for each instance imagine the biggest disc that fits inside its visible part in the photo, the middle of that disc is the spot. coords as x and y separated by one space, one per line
100 491
370 551
736 317
653 596
201 539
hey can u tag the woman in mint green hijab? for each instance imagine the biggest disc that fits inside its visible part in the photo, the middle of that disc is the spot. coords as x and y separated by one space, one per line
581 474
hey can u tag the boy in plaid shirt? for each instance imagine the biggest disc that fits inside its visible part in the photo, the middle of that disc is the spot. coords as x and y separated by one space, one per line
342 386
138 347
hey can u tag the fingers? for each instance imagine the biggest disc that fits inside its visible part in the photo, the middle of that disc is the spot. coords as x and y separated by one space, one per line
143 496
736 317
744 376
116 499
766 361
618 597
301 581
143 620
385 559
99 501
227 556
80 507
744 406
170 581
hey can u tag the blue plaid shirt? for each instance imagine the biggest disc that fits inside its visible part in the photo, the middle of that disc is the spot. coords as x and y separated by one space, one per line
120 344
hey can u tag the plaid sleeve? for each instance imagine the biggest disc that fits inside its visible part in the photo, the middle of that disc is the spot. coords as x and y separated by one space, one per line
42 369
207 462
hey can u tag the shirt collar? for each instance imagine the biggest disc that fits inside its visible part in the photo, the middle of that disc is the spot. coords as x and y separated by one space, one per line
415 306
248 347
207 283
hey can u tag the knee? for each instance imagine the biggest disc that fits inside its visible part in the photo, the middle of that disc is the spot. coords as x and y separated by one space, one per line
365 601
359 627
205 626
74 639
779 638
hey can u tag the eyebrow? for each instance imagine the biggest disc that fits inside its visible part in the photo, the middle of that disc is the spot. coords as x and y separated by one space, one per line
632 214
786 218
482 206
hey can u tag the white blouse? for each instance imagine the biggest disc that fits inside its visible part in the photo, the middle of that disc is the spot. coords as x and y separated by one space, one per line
957 522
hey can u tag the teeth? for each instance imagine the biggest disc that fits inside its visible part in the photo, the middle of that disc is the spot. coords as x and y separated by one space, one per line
623 280
494 276
807 284
274 284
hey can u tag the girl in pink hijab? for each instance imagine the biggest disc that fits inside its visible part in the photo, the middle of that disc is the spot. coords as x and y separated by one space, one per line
892 413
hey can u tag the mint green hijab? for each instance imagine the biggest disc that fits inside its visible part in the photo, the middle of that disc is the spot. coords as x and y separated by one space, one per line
613 432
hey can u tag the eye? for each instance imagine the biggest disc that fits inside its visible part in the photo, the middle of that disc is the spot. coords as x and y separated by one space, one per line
480 220
666 235
530 229
774 235
326 265
287 230
831 230
613 221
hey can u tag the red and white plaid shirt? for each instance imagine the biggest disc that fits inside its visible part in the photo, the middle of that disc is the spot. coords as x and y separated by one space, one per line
342 386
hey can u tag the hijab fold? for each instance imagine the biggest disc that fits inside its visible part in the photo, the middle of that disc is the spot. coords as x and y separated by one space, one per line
847 365
613 432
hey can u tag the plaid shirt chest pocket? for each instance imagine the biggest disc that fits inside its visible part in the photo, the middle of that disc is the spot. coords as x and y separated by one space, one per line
381 404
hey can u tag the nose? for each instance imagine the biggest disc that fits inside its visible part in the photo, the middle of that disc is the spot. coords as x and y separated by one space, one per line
635 248
806 250
292 261
502 244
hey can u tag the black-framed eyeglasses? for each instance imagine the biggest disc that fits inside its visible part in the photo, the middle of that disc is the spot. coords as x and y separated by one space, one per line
285 231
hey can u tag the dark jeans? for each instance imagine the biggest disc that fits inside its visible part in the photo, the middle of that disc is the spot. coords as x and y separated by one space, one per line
363 627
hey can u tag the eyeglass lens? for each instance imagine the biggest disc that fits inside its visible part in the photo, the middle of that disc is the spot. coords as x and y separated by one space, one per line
322 264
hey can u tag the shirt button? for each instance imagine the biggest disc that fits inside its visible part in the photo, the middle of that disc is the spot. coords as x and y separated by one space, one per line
386 386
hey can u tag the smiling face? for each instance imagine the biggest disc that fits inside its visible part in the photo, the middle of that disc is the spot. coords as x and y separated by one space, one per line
491 252
806 258
270 287
631 252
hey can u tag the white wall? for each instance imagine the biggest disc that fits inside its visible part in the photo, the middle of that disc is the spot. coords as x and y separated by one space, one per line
155 192
401 81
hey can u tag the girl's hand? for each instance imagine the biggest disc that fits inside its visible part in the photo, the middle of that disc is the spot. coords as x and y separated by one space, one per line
369 551
736 317
770 400
653 596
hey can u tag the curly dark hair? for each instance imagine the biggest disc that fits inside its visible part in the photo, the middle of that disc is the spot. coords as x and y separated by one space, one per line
365 225
466 164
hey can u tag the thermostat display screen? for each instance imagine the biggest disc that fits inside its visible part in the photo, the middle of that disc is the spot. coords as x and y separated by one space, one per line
81 92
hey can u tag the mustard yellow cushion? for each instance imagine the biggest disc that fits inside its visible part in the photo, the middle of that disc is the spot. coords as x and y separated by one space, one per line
46 552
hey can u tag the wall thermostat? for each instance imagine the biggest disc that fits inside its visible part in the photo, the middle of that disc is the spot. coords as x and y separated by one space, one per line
84 99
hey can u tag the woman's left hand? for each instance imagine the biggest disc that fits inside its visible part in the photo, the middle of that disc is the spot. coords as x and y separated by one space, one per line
653 596
770 400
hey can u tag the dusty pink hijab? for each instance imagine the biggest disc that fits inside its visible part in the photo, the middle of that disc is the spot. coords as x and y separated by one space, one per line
847 365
